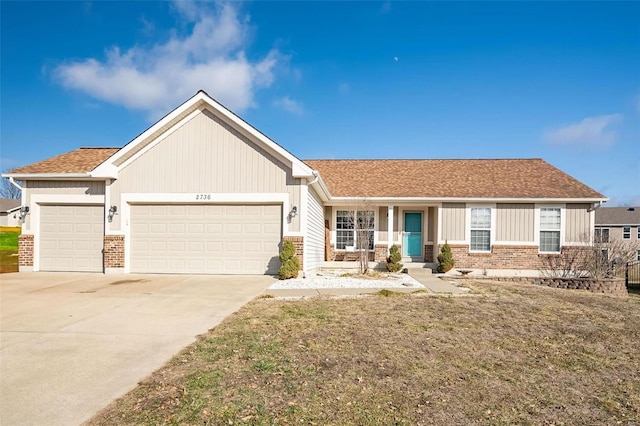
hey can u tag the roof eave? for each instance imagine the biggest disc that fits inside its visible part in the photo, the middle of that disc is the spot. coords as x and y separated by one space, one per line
51 176
469 200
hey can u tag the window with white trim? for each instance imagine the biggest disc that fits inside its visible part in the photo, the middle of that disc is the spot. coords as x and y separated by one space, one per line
550 229
480 229
638 255
639 232
626 233
354 228
601 235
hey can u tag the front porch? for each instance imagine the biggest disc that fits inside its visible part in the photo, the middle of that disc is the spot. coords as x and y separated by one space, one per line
412 228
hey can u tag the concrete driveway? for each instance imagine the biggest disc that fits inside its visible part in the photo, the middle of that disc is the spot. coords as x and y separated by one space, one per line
72 343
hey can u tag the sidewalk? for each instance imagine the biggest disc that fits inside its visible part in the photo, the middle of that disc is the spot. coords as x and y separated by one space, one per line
432 284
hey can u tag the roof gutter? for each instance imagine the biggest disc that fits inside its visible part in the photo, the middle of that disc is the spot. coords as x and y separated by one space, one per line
468 200
595 206
51 176
317 181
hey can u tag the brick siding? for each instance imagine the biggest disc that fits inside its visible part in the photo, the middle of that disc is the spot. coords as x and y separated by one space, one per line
381 253
25 250
114 251
501 257
428 253
298 242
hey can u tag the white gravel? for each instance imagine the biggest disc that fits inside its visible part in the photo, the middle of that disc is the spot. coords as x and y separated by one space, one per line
334 281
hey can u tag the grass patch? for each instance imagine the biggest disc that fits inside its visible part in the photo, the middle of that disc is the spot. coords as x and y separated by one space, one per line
516 354
9 250
9 241
389 293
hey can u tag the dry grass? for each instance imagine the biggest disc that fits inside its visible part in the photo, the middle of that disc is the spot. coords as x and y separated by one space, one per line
515 354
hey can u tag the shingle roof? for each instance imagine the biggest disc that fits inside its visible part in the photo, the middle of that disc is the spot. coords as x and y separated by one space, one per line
510 178
81 160
7 204
618 216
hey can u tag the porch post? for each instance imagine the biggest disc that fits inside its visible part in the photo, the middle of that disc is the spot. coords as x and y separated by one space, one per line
390 225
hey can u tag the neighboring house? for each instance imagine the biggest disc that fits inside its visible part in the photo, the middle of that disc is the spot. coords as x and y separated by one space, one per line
618 224
202 191
10 212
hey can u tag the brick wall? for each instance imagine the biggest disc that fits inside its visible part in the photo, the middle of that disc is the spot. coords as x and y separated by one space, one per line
381 252
298 242
501 257
114 251
428 253
25 250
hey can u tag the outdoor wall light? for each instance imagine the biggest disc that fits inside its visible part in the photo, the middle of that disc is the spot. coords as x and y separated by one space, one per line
112 211
293 213
23 213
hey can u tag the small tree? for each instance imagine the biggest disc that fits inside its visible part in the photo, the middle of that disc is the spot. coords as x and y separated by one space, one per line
290 263
364 239
445 259
393 261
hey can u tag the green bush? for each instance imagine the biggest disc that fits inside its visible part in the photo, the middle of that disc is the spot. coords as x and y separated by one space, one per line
445 259
290 264
393 261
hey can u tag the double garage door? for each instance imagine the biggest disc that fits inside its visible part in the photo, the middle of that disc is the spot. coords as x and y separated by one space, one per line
205 239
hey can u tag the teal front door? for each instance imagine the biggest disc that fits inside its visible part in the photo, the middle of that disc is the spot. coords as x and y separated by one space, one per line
412 243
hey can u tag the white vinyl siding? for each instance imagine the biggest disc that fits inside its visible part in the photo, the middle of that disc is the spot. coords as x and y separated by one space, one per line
550 226
515 223
205 239
314 240
71 238
480 229
453 221
207 156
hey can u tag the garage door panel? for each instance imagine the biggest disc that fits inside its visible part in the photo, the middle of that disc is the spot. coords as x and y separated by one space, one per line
71 238
228 239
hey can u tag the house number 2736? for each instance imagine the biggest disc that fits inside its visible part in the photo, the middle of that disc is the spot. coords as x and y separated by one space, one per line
203 196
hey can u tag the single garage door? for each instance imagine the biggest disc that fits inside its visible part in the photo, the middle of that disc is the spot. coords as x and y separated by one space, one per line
205 239
71 238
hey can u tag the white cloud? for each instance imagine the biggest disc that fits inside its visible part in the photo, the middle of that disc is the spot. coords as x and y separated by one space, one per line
290 105
590 131
157 78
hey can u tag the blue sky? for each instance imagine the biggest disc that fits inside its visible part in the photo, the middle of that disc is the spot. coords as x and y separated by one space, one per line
556 80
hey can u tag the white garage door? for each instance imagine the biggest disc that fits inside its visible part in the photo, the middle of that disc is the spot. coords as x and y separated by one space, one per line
71 238
205 239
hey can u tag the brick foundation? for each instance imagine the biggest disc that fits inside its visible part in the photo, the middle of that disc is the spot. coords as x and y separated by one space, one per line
501 257
612 286
298 242
25 250
381 252
113 251
428 253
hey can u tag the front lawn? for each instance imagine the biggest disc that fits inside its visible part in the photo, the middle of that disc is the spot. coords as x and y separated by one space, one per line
510 354
9 249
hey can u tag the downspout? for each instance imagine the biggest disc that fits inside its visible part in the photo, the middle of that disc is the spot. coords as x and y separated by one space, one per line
316 175
595 206
13 182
